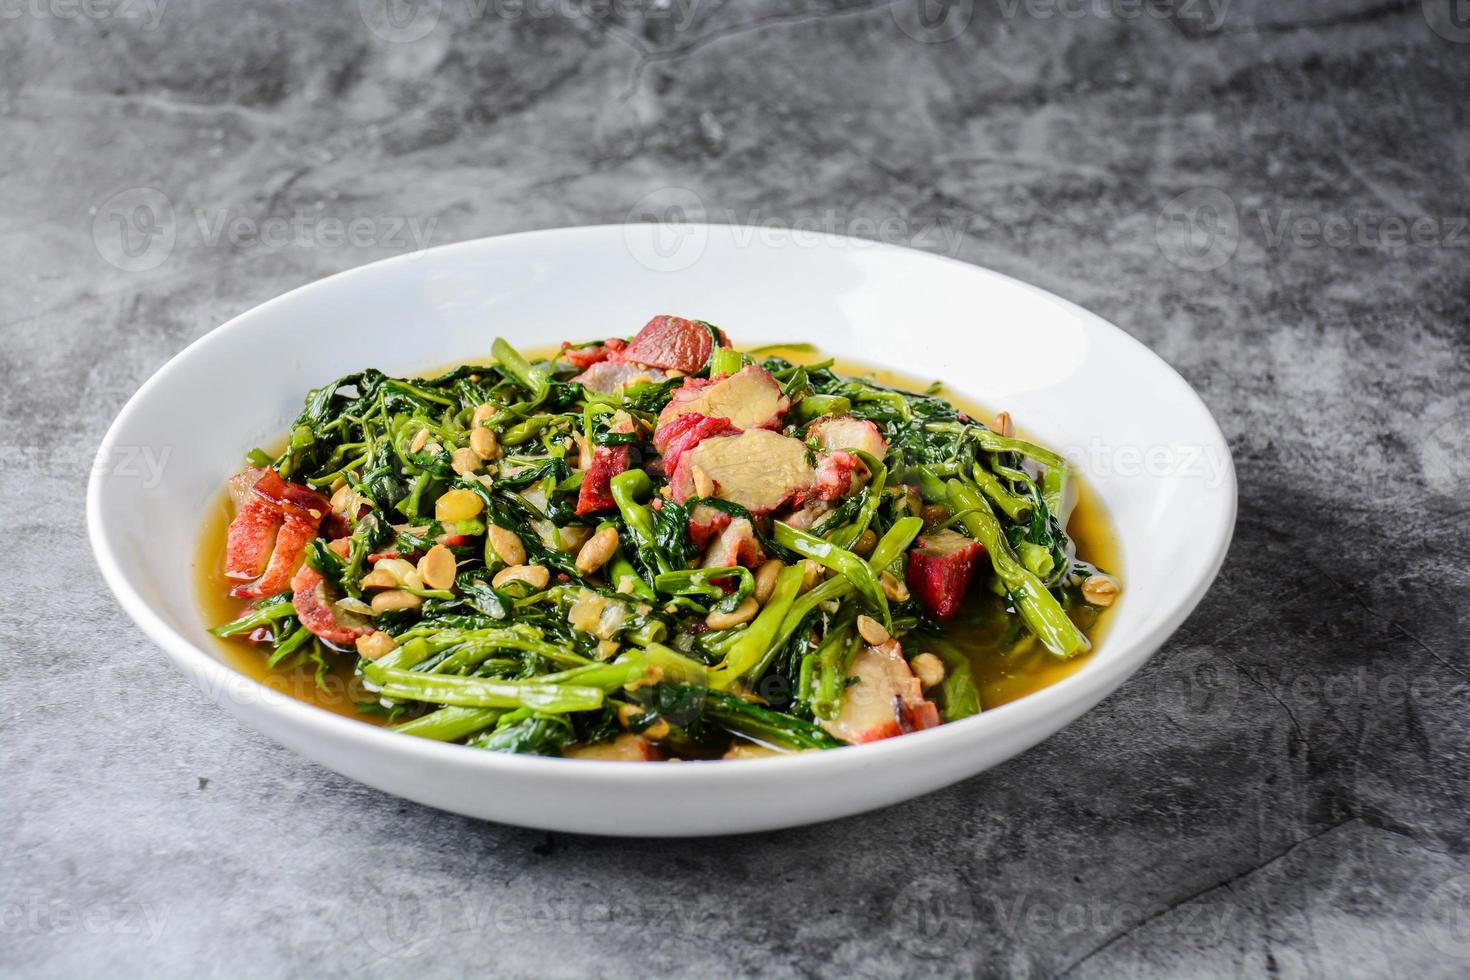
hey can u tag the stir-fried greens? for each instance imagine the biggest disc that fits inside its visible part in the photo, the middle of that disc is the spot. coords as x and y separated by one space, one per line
653 548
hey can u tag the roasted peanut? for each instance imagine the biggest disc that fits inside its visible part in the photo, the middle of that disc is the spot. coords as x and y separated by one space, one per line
507 545
872 631
484 443
929 669
597 551
437 567
765 579
392 573
420 440
394 600
536 576
1003 426
865 543
465 461
375 645
482 414
811 574
933 514
1100 590
742 613
893 586
379 579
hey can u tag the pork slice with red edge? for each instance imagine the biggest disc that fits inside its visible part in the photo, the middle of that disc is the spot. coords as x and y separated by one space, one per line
606 377
298 513
583 358
683 433
750 399
251 538
845 432
595 493
705 522
315 606
626 747
252 531
292 497
673 343
837 475
886 700
735 545
759 469
940 567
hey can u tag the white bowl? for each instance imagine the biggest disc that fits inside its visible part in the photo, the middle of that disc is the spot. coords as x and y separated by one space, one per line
1144 439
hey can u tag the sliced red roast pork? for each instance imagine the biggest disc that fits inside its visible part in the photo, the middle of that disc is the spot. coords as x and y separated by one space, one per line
846 432
673 343
607 376
607 462
940 567
316 606
679 435
759 470
886 700
735 545
750 398
276 519
838 474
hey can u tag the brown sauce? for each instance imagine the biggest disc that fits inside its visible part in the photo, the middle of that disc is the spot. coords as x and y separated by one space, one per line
1002 674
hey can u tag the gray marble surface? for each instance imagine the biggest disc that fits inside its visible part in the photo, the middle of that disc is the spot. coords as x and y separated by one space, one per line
1272 195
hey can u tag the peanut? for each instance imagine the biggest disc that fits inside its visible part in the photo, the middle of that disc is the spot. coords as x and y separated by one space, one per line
536 576
482 414
742 613
597 551
865 543
391 573
437 567
507 545
872 631
893 587
393 600
1100 590
375 645
933 514
765 579
465 461
420 440
484 443
1003 426
379 579
929 669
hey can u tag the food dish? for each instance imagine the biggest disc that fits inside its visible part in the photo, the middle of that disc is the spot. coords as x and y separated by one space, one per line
653 548
1154 457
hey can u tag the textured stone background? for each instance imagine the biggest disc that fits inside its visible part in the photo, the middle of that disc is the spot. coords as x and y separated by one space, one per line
1283 790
